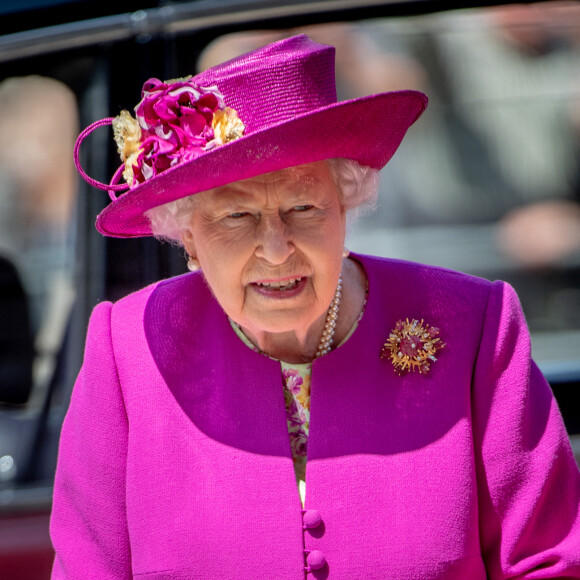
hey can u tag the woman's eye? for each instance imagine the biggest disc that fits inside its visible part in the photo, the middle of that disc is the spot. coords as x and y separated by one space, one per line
238 214
302 207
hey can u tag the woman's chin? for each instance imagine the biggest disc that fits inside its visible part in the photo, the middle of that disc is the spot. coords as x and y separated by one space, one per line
277 325
274 324
273 310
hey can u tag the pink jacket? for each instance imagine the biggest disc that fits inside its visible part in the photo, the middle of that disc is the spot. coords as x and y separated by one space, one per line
175 460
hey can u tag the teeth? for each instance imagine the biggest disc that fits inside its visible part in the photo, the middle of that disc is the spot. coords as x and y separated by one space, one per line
280 285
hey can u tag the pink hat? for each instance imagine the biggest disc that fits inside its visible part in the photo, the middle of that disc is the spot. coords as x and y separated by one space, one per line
272 108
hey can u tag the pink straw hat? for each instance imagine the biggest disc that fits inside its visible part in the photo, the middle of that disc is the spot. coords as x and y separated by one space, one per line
269 109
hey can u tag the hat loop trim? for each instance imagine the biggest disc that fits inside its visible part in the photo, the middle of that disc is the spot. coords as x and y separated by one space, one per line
113 186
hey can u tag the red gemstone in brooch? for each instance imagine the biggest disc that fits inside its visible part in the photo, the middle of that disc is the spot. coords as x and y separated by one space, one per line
412 346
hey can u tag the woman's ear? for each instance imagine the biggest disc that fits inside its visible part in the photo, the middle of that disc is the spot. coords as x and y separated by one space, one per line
188 241
192 262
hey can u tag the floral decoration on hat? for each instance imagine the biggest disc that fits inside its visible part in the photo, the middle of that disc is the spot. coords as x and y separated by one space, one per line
412 346
176 122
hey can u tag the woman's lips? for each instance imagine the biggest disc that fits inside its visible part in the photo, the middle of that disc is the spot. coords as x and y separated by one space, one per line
287 288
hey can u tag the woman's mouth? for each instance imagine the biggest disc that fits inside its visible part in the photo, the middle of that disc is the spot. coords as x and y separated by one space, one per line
280 284
280 288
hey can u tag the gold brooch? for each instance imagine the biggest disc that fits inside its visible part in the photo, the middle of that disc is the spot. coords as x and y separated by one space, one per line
412 346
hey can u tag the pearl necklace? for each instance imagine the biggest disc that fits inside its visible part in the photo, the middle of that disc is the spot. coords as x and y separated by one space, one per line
325 344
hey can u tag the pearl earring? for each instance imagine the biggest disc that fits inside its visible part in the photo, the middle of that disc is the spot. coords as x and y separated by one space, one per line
193 264
345 253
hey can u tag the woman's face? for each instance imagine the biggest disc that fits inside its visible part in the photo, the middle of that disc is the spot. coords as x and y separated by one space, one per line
271 247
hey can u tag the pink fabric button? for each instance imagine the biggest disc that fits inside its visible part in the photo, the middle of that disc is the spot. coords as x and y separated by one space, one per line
315 560
311 519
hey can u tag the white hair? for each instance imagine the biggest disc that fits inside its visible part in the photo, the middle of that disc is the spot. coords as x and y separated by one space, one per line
357 187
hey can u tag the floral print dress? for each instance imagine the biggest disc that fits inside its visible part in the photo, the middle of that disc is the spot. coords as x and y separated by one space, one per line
296 381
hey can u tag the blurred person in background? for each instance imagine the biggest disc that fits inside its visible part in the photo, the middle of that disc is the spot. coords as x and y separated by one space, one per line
38 125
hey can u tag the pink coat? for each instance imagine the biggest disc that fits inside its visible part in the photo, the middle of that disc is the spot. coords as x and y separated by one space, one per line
175 460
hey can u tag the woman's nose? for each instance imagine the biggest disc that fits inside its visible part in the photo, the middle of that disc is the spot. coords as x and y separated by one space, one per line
274 241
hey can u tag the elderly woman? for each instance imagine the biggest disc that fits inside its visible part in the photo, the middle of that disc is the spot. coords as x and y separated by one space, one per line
291 409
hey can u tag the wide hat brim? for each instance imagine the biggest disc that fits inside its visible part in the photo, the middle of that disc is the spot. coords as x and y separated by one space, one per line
368 130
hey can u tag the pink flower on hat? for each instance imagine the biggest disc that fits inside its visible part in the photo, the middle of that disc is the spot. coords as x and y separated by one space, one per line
156 155
176 122
165 103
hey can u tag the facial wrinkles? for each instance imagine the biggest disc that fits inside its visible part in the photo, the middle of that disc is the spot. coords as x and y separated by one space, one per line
273 254
269 200
275 230
266 209
279 222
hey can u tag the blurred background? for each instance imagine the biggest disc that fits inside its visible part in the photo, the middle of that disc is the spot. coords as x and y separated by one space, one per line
487 182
